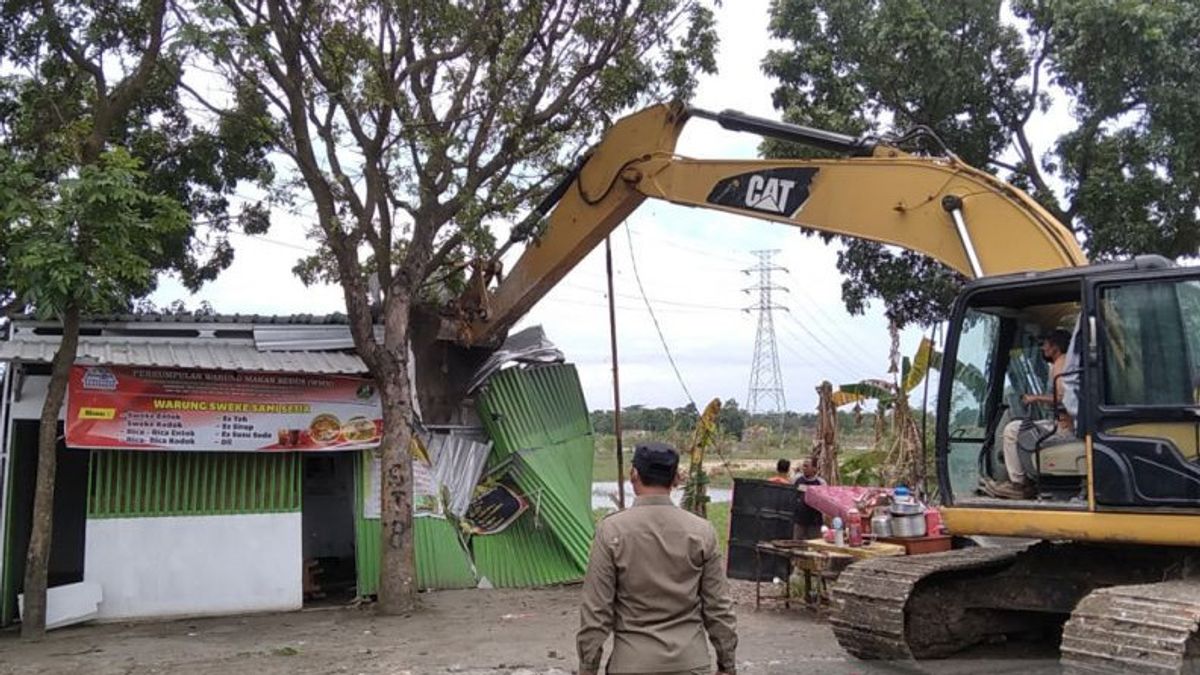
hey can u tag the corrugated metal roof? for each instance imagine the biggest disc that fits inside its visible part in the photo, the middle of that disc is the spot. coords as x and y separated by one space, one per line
289 319
207 354
281 337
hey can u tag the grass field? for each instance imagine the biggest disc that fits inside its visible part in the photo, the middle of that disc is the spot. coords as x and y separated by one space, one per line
718 515
745 460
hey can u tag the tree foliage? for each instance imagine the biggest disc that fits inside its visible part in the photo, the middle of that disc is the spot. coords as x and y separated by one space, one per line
1128 170
97 85
88 240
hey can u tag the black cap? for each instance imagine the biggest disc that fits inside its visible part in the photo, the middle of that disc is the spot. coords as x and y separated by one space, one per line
656 463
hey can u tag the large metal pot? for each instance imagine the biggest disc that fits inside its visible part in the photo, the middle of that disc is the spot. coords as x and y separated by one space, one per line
906 508
908 526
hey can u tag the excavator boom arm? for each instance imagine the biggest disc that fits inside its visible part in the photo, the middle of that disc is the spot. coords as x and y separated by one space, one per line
965 218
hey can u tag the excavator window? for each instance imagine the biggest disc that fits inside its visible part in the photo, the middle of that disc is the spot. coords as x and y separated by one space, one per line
1152 343
1147 443
976 350
968 415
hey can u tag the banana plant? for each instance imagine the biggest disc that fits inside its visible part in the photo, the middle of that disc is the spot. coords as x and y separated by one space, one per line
695 497
912 372
897 459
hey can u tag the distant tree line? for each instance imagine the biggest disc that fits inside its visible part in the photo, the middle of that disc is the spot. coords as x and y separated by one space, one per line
734 420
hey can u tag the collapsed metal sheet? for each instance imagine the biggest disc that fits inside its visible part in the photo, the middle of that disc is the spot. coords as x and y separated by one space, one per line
458 462
527 346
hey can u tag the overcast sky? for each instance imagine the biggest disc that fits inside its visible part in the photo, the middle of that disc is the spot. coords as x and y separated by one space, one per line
690 262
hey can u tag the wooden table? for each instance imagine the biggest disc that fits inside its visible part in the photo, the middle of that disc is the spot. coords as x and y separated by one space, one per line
873 550
824 565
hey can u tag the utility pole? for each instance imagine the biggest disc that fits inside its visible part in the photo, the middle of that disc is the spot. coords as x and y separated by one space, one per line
766 380
612 332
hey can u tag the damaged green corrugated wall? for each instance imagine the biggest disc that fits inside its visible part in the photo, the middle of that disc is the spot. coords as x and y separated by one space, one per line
542 440
442 560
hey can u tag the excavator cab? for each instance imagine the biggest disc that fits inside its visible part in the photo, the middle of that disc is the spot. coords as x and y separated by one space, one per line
1129 395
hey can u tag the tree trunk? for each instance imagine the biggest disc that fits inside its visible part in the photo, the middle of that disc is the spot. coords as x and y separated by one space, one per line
33 623
397 570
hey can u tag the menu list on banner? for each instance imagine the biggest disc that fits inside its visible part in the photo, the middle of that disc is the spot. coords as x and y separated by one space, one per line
125 407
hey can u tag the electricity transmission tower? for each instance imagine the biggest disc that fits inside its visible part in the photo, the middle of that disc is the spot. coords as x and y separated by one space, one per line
766 381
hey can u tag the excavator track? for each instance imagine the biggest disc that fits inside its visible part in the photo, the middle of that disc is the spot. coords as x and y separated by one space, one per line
870 600
1146 628
1117 608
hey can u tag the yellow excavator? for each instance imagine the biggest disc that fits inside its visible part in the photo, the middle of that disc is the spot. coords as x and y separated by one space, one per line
1115 507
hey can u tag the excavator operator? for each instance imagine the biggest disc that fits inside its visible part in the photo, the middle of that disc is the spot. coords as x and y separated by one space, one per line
1061 427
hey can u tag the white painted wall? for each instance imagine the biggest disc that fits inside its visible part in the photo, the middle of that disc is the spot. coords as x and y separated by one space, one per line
194 565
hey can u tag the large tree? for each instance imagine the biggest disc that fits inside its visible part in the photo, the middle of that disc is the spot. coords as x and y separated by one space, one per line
105 181
414 125
979 73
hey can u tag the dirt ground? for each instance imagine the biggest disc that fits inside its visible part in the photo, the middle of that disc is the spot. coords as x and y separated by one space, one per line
472 632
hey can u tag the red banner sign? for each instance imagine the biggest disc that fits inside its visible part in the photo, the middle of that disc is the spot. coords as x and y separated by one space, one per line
118 407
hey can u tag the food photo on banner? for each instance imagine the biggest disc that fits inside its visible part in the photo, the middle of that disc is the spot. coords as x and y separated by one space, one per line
123 407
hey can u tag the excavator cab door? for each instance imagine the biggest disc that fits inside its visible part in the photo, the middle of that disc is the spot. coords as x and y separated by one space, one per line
1143 407
993 357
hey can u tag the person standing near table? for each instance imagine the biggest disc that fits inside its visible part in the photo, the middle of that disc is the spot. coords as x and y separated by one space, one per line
656 583
806 521
782 468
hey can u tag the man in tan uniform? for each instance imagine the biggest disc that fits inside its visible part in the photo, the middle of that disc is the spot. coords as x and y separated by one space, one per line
656 582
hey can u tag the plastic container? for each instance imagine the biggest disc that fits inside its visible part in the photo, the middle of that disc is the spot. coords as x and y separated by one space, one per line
933 521
839 532
854 525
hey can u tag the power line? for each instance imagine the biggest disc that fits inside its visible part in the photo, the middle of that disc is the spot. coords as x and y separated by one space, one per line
819 315
277 242
828 324
832 363
626 308
654 319
260 237
801 359
736 264
813 336
660 301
